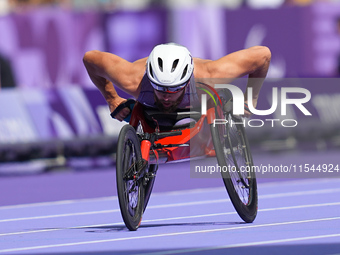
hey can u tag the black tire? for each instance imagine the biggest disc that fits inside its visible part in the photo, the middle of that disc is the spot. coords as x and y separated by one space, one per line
234 157
130 190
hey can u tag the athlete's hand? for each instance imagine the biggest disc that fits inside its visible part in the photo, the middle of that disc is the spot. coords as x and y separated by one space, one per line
228 107
122 114
122 110
247 112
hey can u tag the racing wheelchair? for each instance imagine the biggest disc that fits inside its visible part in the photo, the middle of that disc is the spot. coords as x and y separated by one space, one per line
152 138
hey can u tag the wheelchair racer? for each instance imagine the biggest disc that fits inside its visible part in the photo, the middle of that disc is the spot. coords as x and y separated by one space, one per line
166 79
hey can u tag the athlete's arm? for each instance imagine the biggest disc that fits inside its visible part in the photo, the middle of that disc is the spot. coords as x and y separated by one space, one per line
106 69
253 62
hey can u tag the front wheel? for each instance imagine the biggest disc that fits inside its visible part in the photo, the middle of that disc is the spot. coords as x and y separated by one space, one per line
235 159
149 184
130 188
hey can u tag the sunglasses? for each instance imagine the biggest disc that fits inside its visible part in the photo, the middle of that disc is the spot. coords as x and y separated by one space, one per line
165 89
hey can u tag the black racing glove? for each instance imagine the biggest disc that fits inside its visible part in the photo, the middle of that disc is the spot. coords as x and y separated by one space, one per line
130 103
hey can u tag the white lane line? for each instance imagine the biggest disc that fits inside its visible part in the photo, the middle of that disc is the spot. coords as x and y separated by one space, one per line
175 193
285 240
300 193
203 202
60 215
173 218
297 182
66 202
170 234
277 241
62 202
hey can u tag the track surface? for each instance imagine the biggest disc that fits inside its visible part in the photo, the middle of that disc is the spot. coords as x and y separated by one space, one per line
77 213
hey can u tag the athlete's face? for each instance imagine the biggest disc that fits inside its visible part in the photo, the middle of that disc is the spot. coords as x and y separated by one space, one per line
168 102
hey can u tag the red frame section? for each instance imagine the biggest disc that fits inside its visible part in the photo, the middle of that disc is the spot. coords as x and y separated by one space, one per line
188 135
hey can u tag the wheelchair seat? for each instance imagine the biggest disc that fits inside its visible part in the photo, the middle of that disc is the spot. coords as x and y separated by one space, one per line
175 120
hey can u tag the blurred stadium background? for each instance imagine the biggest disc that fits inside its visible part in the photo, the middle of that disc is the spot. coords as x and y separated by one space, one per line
52 114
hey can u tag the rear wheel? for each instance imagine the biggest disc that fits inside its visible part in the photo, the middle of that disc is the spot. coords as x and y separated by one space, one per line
235 159
129 176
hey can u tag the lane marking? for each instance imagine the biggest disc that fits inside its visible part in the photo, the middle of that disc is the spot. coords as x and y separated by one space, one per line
286 240
171 234
203 202
180 193
60 215
56 203
173 218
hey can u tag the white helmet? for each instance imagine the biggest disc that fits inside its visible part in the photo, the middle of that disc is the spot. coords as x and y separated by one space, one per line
169 65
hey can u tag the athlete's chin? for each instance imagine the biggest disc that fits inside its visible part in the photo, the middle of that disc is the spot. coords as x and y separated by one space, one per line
167 105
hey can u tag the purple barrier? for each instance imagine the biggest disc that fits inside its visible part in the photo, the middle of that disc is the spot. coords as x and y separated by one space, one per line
280 30
28 115
46 46
325 39
46 123
15 124
132 35
319 130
